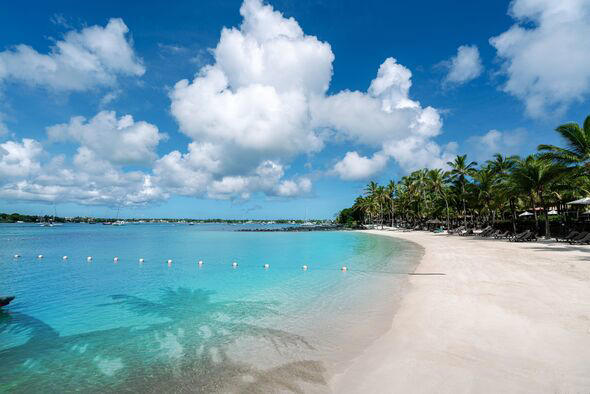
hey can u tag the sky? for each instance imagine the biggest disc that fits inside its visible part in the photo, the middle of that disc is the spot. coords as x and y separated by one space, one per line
280 109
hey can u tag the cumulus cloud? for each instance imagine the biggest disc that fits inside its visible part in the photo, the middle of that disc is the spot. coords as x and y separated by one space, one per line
19 159
384 117
546 53
495 141
118 140
82 60
95 174
251 107
465 66
356 167
26 174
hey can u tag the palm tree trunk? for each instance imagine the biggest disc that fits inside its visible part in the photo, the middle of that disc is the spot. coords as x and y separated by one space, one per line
547 228
447 204
464 212
535 213
513 212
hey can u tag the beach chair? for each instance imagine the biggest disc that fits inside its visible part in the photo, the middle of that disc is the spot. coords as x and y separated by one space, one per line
531 237
578 237
492 233
519 236
585 240
568 237
505 234
466 232
456 230
485 232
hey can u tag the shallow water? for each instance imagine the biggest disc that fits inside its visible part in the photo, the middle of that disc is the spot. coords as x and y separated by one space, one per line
124 326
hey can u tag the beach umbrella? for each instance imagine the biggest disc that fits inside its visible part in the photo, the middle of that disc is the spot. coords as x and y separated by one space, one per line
525 213
552 212
581 201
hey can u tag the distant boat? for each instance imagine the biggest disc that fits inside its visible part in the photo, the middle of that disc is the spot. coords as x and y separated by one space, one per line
107 223
118 222
50 223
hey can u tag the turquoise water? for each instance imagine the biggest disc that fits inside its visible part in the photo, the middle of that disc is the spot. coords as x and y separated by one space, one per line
157 327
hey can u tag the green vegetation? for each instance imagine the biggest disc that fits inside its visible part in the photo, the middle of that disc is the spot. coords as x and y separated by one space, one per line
489 194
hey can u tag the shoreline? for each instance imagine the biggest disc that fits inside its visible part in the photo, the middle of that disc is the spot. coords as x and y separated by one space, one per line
505 317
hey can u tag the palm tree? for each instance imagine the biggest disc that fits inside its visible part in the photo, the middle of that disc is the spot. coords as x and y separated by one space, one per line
486 179
460 170
501 165
370 192
390 193
577 152
535 175
438 181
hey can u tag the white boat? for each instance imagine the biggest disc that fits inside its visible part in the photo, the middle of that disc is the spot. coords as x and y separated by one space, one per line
119 223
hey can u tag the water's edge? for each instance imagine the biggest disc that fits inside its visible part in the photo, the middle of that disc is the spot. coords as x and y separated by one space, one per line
402 288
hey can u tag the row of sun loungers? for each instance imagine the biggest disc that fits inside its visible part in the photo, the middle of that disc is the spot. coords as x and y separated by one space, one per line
576 237
489 232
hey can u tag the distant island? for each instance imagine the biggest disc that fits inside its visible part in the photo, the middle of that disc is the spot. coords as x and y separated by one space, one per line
17 218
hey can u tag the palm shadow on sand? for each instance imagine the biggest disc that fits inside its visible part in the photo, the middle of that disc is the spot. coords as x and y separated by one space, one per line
185 350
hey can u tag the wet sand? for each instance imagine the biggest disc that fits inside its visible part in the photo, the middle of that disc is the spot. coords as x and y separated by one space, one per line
504 317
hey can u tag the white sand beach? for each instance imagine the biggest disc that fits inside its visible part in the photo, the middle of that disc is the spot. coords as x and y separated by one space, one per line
505 318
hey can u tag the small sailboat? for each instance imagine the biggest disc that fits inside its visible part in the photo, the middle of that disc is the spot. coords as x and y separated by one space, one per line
118 222
50 223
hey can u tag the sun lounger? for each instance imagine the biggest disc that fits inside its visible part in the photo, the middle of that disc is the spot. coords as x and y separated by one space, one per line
568 237
519 236
585 240
578 237
531 237
466 232
505 234
485 232
456 230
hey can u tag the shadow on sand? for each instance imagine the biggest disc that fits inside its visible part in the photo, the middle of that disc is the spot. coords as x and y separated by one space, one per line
185 351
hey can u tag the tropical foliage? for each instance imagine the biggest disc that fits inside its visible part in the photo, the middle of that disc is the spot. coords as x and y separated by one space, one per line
497 190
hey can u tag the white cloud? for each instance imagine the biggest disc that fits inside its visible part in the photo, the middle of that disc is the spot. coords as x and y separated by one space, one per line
252 106
117 140
355 167
495 141
546 54
19 159
385 117
87 179
465 66
91 57
95 174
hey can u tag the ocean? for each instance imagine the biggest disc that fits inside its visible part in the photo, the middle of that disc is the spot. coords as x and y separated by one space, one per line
157 326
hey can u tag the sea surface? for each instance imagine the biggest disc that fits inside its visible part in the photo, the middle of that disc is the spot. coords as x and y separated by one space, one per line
124 326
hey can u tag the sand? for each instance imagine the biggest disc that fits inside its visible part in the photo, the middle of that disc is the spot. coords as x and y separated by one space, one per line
505 318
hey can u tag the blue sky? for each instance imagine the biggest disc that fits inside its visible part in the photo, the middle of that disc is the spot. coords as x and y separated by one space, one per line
293 108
